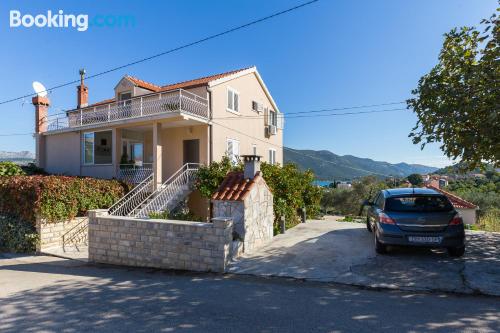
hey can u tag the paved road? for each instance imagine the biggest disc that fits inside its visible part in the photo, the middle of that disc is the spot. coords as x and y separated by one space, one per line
54 295
343 252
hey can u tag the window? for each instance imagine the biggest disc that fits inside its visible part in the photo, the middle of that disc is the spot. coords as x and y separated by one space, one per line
97 148
233 150
418 203
272 156
233 100
273 118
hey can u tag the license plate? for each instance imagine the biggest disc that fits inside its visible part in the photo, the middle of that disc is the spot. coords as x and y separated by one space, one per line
425 239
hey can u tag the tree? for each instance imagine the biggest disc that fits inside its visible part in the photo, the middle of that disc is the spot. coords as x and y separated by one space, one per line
415 179
457 102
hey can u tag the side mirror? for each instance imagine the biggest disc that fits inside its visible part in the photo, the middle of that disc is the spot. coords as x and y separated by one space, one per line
367 203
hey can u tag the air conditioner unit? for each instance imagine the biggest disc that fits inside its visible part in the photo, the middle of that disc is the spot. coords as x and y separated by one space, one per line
272 130
257 107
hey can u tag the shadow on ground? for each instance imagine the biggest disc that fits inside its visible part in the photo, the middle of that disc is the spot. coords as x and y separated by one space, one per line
343 252
87 298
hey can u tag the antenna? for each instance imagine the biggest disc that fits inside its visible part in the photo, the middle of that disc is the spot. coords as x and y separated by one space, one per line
39 89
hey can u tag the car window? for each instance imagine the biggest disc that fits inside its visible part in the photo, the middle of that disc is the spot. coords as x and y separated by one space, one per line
418 203
376 198
380 201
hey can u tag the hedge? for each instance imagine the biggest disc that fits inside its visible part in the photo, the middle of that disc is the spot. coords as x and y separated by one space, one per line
56 198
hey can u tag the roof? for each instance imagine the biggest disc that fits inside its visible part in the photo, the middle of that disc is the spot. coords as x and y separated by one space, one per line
455 200
408 191
235 187
173 86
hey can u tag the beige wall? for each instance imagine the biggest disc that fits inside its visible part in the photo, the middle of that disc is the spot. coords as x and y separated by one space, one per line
249 90
468 215
172 142
62 153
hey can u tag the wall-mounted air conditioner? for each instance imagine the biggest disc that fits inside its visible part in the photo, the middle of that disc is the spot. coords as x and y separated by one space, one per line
272 130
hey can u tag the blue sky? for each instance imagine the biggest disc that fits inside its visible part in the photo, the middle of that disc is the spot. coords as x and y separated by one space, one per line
331 54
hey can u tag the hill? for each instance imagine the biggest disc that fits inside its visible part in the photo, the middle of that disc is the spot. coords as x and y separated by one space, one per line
20 157
328 166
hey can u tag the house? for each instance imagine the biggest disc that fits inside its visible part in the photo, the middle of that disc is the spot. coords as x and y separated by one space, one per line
148 132
466 209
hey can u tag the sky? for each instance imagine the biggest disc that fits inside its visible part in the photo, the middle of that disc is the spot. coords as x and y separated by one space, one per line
331 54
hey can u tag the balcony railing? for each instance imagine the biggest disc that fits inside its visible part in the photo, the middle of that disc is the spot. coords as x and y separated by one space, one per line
171 102
133 173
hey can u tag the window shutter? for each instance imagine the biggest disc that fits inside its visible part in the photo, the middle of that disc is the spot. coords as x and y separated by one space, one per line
266 116
230 100
281 120
230 148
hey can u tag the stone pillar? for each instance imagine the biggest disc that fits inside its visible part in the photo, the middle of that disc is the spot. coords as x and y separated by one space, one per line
224 230
157 155
116 149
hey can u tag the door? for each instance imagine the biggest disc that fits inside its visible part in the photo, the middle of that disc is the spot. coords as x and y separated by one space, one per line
191 151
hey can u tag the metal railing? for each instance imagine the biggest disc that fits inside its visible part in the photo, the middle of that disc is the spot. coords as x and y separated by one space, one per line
78 235
165 196
133 199
176 101
133 173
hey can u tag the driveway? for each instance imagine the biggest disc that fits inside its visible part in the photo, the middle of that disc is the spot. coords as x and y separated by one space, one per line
47 294
342 252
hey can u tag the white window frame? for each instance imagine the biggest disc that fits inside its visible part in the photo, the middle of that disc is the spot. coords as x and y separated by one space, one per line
272 156
232 156
254 149
93 147
273 120
235 92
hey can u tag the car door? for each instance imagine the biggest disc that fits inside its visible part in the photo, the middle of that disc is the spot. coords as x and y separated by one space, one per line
373 210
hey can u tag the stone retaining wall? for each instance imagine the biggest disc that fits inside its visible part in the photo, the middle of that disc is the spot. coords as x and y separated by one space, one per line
160 243
51 232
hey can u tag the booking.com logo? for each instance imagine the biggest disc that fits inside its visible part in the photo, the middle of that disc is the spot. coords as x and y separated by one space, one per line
59 19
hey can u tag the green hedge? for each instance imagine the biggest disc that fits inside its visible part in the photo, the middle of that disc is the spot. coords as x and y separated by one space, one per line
17 236
56 198
10 169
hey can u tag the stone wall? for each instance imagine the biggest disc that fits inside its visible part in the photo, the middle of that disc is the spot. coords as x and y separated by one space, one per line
253 217
160 243
51 232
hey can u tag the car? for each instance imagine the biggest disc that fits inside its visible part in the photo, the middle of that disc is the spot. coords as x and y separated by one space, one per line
415 217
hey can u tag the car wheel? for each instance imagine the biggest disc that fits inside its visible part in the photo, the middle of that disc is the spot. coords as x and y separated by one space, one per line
368 225
456 251
379 247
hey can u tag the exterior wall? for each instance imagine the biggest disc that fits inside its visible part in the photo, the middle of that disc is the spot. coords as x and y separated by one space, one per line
468 215
105 171
173 149
253 218
51 233
160 243
62 153
249 90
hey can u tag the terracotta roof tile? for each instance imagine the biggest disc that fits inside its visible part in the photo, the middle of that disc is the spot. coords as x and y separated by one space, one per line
455 200
235 188
179 85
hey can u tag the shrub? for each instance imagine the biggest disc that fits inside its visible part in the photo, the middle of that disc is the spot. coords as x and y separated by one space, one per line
490 221
10 169
291 188
17 235
56 198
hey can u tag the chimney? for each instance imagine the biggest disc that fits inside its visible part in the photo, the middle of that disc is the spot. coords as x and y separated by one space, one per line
82 92
41 104
252 165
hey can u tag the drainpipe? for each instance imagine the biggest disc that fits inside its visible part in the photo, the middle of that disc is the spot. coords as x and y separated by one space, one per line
210 127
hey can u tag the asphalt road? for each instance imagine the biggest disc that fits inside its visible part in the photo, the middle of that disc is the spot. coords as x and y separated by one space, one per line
55 295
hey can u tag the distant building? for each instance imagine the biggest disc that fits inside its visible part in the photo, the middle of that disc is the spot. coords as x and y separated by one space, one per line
344 185
466 209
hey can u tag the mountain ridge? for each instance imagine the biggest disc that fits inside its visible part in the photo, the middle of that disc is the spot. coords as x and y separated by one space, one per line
328 166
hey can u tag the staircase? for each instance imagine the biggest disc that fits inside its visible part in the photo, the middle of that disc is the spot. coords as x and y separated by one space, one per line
142 200
170 193
126 205
76 237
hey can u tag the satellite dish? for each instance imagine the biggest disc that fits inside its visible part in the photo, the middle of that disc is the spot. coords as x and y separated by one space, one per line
40 89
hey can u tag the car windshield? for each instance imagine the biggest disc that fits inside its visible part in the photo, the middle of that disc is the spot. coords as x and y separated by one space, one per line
418 203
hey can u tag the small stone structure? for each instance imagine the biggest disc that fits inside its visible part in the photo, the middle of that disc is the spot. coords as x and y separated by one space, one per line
51 233
246 199
158 243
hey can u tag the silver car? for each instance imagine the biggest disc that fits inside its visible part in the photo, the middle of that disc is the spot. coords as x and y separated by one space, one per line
415 217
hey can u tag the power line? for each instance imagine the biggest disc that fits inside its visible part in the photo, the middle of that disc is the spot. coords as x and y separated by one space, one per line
314 115
199 41
314 157
16 134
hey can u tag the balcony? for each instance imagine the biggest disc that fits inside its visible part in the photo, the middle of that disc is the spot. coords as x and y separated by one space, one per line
176 102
